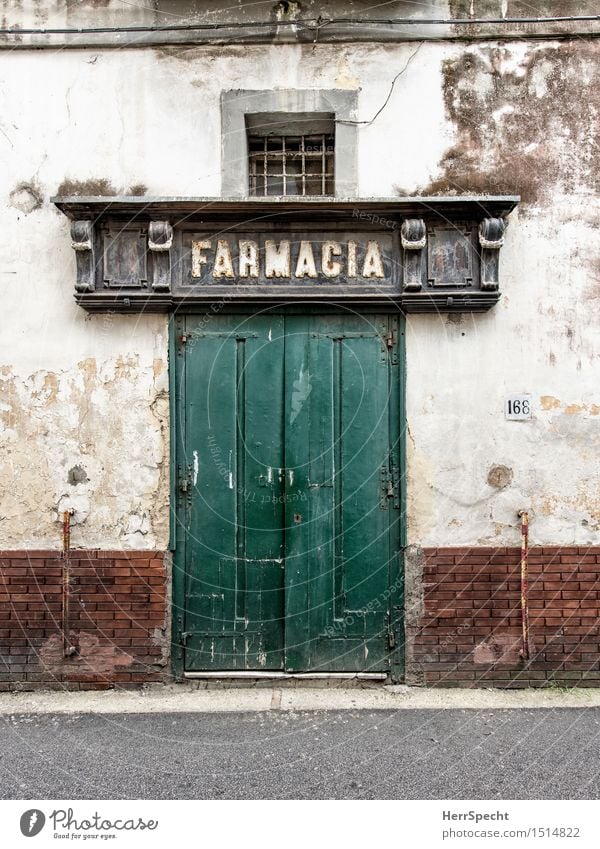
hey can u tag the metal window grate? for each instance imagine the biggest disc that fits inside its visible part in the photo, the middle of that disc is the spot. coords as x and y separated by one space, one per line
291 165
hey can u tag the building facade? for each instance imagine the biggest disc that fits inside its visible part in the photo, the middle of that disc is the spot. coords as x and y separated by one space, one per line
300 329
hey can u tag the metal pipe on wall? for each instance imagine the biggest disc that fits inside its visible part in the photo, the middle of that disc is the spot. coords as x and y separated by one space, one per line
524 515
309 30
68 648
307 23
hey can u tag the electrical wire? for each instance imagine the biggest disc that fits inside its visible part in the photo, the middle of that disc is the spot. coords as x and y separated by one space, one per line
387 100
311 24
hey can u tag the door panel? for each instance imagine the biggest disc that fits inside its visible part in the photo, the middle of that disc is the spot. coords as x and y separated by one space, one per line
234 438
292 539
338 540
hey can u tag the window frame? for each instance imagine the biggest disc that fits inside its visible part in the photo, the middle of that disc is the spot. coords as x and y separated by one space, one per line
303 160
287 108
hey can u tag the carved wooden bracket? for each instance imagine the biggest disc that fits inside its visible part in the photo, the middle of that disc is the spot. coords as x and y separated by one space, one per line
413 235
491 239
160 242
82 242
414 254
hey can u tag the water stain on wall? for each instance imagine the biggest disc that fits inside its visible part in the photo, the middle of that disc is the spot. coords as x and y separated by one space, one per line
527 120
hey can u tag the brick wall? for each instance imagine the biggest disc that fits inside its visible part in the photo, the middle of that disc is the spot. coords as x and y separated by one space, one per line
470 631
118 617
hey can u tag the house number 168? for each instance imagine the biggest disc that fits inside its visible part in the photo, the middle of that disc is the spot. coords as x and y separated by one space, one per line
517 407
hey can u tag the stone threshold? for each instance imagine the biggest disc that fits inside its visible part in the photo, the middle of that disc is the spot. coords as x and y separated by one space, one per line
204 697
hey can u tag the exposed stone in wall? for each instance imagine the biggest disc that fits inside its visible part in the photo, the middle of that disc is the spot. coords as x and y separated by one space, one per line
26 197
500 476
413 611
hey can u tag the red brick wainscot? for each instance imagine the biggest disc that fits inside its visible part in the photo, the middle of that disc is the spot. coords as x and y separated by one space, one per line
119 630
468 632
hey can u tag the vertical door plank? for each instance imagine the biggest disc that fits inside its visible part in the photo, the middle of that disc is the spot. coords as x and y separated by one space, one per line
341 549
234 400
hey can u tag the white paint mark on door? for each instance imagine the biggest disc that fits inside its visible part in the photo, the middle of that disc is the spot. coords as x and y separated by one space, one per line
196 466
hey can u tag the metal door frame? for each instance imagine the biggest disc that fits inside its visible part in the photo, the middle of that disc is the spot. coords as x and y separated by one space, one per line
177 508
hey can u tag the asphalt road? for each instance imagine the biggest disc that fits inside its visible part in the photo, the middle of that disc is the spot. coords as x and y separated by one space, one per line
405 754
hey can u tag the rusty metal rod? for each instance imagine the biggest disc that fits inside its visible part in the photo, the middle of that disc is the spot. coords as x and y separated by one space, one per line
68 648
524 597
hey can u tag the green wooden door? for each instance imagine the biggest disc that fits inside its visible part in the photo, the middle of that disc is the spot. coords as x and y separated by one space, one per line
288 475
340 555
232 439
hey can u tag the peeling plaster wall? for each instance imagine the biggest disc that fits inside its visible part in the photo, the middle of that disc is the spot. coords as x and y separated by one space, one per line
524 119
542 339
90 436
90 392
83 427
83 399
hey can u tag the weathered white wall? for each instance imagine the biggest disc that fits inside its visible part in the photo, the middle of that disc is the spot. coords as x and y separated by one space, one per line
524 119
91 391
76 390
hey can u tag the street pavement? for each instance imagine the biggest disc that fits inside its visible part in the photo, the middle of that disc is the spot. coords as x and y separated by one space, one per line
551 753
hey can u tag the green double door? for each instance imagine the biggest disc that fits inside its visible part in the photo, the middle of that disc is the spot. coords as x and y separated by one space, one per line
288 471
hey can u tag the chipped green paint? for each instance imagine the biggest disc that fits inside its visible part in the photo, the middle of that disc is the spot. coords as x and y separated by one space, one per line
288 525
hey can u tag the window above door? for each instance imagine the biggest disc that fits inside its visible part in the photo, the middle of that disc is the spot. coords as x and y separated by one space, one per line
291 165
289 143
